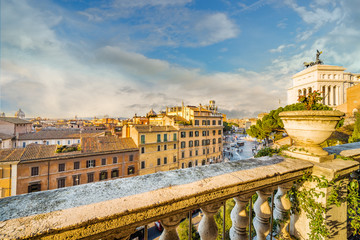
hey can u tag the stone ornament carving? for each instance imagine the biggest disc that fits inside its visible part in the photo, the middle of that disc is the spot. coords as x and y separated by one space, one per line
281 211
263 212
170 224
207 226
240 218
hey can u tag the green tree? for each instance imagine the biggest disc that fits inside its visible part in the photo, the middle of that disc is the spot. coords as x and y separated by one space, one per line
183 231
355 137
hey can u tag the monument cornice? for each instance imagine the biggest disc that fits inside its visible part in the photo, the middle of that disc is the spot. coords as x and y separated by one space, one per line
318 68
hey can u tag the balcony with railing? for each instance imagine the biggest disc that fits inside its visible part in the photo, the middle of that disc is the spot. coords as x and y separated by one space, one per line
114 209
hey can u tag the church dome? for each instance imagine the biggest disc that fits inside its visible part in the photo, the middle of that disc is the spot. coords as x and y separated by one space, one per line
20 114
151 113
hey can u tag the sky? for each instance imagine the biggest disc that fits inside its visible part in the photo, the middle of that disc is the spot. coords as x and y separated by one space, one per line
63 58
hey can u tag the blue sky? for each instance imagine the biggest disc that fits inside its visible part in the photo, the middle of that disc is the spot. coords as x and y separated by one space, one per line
120 57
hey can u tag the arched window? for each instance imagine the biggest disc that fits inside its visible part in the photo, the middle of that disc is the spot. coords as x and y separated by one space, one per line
203 162
190 164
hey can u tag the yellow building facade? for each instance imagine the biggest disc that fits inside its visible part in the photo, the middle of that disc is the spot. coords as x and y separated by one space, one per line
194 137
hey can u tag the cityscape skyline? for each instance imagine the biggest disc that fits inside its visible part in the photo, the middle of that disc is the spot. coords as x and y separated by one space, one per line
118 58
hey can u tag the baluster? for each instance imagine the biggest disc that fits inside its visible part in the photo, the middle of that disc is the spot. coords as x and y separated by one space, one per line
239 218
207 226
262 214
281 212
170 224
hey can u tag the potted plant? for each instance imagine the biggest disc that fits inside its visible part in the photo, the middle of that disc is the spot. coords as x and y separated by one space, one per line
310 125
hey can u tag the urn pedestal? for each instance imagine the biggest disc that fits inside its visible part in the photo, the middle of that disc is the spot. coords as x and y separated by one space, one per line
309 129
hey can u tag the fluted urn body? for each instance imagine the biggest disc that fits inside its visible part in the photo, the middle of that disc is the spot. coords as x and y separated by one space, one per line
308 129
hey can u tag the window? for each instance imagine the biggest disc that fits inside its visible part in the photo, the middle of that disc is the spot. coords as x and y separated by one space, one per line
90 163
142 150
142 139
174 146
158 138
159 148
131 170
165 160
76 179
196 162
213 149
196 133
142 164
34 171
76 165
158 161
190 153
131 158
219 122
213 122
24 144
208 142
207 133
196 152
204 133
90 177
191 143
196 143
174 137
203 142
182 165
182 154
190 164
214 132
174 158
114 173
214 141
182 134
103 161
61 182
204 152
219 132
207 150
208 122
61 167
115 160
183 144
203 162
191 134
196 122
165 137
68 141
165 147
203 122
34 187
219 140
103 175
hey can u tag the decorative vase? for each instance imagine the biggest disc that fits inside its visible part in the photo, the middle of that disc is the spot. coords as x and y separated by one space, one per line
308 129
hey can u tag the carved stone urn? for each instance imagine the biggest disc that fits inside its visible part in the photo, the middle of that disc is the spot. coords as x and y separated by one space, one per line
308 129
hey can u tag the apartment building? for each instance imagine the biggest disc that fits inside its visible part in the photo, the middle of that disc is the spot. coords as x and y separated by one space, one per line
158 147
43 167
180 137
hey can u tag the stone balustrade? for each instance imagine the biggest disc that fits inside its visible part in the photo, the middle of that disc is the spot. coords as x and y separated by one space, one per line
113 209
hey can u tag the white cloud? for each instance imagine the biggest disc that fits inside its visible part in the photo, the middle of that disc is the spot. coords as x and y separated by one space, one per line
280 48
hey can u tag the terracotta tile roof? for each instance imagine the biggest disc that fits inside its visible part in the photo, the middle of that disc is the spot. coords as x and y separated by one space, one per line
108 143
177 118
4 136
91 145
150 128
11 154
59 134
14 120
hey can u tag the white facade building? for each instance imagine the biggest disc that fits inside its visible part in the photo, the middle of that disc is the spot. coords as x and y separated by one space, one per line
331 81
